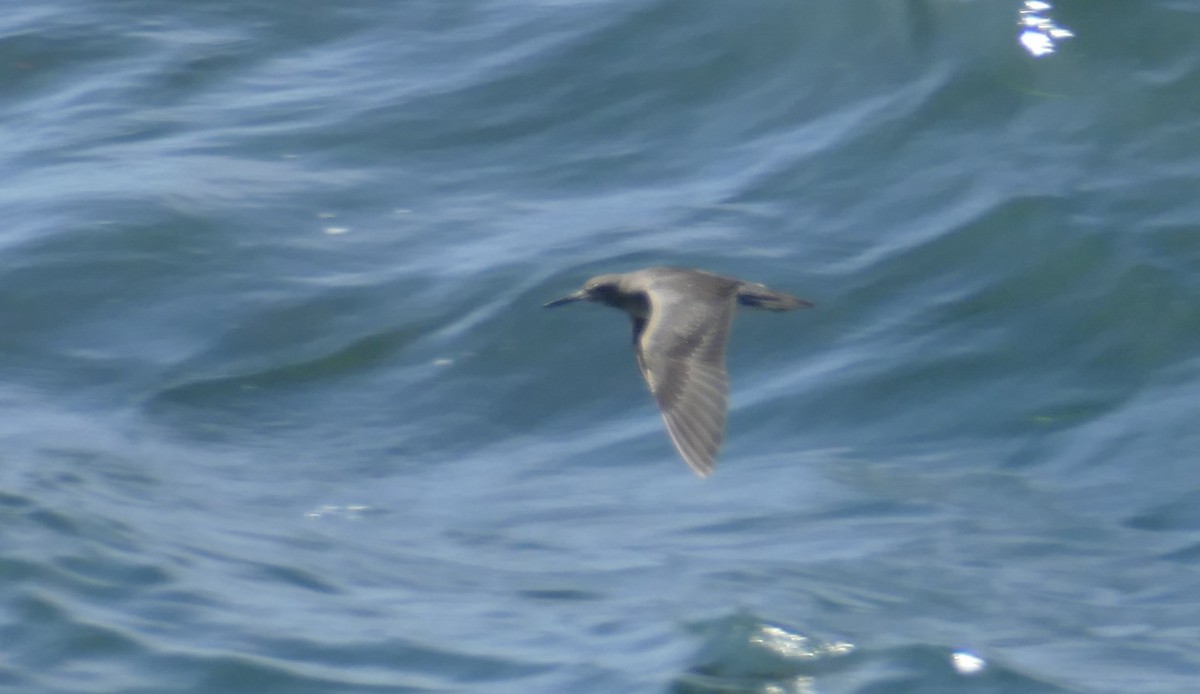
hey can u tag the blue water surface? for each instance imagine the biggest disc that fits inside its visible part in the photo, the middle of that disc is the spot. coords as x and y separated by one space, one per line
280 410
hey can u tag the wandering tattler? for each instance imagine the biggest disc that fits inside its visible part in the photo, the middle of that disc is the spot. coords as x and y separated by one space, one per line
681 321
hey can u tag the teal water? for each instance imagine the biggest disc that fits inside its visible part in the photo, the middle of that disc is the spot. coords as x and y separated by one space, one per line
280 410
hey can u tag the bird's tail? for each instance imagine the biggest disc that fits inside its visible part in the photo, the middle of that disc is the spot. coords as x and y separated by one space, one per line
760 296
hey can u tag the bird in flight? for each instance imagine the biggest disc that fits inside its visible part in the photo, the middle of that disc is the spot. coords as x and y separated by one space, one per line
681 320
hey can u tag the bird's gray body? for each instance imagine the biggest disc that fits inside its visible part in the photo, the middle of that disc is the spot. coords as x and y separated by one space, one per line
681 320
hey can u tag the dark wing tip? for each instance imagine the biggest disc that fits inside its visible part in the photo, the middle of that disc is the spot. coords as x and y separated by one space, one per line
696 441
702 468
695 419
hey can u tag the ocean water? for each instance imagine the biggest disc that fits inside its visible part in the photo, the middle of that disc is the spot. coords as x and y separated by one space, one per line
280 410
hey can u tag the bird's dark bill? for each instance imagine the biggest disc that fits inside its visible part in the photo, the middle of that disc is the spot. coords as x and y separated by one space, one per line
570 299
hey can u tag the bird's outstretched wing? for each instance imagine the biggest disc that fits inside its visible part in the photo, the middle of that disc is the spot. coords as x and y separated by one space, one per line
681 352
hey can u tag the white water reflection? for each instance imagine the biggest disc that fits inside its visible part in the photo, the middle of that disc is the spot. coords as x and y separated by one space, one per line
967 663
1039 33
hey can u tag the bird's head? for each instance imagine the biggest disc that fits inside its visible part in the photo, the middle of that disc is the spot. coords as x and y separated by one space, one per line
605 289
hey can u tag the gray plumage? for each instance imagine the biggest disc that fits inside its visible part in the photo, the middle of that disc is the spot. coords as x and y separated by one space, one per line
681 320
